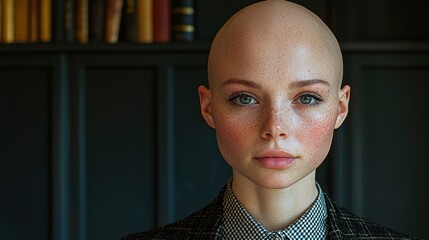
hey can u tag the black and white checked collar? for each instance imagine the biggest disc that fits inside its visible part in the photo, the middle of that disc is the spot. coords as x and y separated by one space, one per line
239 224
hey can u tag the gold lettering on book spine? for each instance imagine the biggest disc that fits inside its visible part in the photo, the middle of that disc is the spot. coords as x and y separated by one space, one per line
183 28
183 10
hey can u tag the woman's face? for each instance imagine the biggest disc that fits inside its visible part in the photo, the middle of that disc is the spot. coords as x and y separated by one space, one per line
274 112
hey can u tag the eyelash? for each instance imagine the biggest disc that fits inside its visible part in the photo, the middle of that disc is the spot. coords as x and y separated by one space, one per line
317 99
234 99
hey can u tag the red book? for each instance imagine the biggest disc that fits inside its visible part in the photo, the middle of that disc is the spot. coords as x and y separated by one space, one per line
161 21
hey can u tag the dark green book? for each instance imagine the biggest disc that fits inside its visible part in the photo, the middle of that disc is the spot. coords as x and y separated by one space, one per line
130 20
68 21
183 27
97 18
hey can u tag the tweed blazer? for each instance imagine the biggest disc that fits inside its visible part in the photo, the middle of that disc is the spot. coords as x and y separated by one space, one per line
207 223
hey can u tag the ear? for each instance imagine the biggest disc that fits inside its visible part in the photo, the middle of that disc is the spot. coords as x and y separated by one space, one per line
344 97
206 105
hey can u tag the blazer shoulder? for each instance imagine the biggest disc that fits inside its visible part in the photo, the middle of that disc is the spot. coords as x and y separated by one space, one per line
343 224
204 224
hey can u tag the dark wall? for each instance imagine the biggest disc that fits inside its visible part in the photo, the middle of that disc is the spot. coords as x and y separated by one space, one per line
101 140
385 136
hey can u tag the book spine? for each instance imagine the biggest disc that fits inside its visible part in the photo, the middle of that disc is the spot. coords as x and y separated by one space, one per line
96 24
8 19
161 21
130 20
68 23
45 20
183 27
33 21
21 21
1 21
145 21
113 20
82 21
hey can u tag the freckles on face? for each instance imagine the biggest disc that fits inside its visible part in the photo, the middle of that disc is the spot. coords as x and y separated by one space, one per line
316 136
309 130
233 131
280 82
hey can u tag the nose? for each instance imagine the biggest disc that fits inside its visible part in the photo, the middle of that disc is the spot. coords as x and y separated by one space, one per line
274 124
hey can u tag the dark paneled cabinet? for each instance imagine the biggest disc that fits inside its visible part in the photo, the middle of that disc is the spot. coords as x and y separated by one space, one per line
96 145
388 132
27 144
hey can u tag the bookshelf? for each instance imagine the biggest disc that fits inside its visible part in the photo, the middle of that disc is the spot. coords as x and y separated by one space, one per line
112 21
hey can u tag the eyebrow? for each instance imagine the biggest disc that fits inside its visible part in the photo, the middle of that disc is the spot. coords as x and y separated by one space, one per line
292 85
304 83
243 82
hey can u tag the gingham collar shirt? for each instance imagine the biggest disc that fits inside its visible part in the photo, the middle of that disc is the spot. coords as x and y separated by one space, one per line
239 224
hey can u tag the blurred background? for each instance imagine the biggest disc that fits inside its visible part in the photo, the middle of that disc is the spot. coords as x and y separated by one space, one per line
98 139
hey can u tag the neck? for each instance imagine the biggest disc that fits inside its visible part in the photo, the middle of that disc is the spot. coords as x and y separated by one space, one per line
275 209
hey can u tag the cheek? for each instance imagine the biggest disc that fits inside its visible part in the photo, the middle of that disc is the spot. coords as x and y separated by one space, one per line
233 134
316 137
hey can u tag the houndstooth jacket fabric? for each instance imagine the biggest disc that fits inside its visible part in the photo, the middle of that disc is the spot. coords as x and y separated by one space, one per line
207 223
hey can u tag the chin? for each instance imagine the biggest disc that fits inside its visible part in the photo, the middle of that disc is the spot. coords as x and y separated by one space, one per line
276 181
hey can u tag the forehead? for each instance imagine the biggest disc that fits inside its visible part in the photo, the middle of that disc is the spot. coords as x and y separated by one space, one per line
273 62
275 40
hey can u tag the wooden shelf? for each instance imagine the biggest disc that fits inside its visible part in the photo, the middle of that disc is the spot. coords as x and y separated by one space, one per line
385 47
188 47
198 46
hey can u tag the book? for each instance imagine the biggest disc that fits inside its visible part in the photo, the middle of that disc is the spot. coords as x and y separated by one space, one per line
113 20
68 21
33 21
1 21
130 20
82 13
45 20
96 20
8 19
161 21
183 28
145 21
21 21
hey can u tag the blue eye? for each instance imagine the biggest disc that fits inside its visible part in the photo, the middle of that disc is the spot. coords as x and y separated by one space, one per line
309 99
242 99
245 99
306 99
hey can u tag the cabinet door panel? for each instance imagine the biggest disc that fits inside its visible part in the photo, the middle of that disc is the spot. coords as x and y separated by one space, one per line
114 137
389 139
25 151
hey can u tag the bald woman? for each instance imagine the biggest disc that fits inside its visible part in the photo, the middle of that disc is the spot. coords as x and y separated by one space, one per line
274 99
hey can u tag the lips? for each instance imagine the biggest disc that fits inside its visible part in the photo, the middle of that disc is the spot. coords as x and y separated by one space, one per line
275 159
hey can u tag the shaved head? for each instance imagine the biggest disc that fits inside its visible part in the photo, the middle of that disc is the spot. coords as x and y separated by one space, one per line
273 29
275 73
